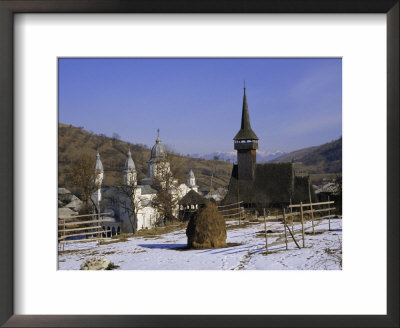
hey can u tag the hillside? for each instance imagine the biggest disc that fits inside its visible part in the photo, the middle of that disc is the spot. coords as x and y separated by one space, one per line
326 158
73 142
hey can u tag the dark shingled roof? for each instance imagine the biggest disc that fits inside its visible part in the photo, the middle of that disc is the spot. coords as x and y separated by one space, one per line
274 185
245 132
192 198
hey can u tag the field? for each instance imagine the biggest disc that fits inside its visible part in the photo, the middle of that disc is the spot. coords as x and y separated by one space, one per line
245 251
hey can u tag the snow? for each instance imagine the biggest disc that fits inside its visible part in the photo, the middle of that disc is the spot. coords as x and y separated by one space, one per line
323 250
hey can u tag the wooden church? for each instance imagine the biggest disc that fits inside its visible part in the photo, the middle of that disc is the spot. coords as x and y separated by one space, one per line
268 185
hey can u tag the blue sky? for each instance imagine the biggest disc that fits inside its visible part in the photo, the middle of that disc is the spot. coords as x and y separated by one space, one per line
197 103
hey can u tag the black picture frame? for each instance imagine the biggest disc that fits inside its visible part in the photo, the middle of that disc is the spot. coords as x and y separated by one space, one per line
10 7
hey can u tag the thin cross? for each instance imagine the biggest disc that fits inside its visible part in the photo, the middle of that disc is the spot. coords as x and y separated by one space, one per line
158 133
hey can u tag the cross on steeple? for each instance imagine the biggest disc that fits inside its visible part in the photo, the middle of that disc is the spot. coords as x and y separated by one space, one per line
158 133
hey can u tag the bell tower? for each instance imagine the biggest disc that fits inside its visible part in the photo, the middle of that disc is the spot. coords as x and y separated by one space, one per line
246 143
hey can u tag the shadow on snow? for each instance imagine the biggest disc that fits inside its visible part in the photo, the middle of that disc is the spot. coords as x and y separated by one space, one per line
184 247
164 246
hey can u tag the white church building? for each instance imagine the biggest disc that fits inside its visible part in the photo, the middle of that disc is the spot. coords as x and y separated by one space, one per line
118 200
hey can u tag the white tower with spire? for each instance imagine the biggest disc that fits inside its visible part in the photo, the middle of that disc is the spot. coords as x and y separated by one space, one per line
158 164
191 181
130 171
98 179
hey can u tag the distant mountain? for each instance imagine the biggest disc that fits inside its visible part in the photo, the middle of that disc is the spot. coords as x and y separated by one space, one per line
326 158
262 156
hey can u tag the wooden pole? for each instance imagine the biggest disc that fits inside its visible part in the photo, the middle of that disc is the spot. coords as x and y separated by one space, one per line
329 214
309 196
302 223
294 239
63 232
265 232
291 216
238 202
284 226
98 231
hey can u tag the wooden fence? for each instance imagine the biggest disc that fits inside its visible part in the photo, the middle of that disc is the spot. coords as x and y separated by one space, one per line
296 215
232 211
73 226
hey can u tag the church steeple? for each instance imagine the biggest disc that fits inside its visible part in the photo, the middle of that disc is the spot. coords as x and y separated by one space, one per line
129 171
99 171
245 132
246 144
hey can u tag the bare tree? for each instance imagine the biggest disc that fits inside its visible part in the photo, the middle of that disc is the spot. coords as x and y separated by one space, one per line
178 167
83 175
115 137
166 200
130 199
102 140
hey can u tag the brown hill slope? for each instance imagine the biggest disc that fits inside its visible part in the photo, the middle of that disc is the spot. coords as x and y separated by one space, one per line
73 142
326 158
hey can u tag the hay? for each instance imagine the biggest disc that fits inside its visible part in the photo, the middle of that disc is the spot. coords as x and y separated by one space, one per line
207 228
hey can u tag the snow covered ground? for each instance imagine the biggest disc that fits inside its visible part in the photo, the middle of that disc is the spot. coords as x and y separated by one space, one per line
323 251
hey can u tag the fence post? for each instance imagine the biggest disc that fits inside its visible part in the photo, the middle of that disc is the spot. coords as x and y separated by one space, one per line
311 208
63 234
291 215
302 223
265 232
329 214
284 226
238 202
99 235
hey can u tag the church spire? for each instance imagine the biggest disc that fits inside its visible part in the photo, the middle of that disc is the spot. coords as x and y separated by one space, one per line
245 132
98 165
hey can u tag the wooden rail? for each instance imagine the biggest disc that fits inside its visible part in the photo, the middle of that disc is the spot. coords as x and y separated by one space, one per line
284 216
229 210
78 229
69 218
94 228
290 214
312 204
80 234
235 212
80 222
230 204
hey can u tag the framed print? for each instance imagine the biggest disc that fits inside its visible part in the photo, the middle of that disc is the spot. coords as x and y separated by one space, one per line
46 42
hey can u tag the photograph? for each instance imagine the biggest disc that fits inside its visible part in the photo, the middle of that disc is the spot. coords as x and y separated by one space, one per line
199 163
197 149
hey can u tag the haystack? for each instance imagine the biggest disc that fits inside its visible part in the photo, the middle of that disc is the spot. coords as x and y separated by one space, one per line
207 228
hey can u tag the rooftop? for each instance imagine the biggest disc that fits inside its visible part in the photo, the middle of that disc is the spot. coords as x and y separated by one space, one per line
245 132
